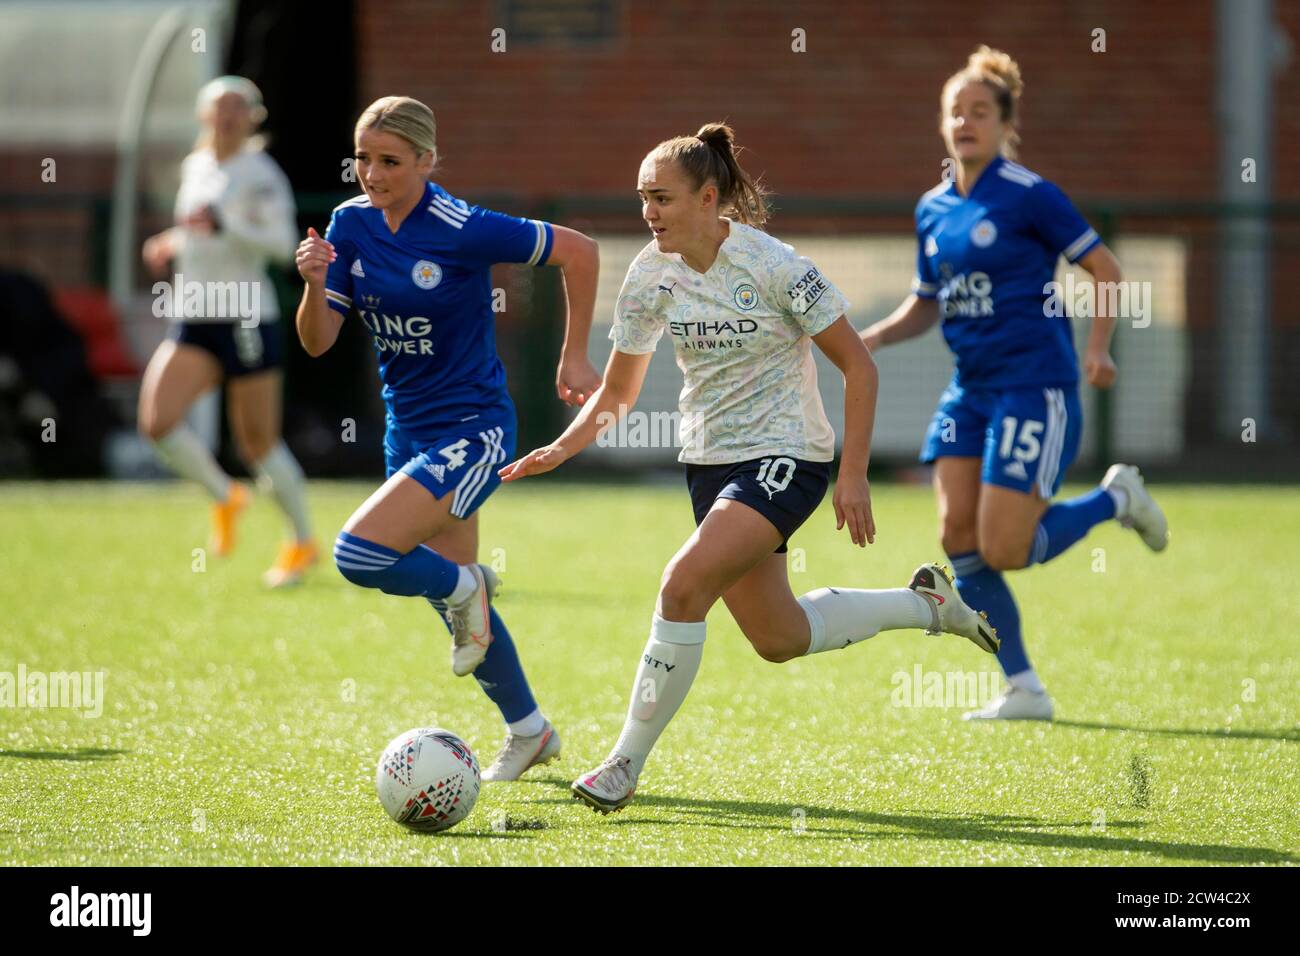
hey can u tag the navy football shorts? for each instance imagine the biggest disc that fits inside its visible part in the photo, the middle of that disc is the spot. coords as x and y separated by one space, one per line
237 349
785 491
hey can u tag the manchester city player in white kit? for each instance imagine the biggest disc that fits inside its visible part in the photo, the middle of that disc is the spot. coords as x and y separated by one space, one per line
234 215
743 310
1009 423
414 263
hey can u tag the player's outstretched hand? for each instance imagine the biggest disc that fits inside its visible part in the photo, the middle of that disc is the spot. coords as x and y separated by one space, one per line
314 258
576 379
536 462
852 500
1100 369
158 252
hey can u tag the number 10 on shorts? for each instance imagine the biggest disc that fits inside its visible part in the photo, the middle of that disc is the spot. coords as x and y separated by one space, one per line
1026 447
774 474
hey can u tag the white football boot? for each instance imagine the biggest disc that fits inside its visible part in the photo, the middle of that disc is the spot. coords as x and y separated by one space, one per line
609 787
471 631
520 753
951 614
1016 703
1141 513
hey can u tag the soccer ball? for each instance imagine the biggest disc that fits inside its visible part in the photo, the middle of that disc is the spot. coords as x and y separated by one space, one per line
428 779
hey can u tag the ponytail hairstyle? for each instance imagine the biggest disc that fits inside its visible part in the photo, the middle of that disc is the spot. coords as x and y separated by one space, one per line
405 117
710 157
999 73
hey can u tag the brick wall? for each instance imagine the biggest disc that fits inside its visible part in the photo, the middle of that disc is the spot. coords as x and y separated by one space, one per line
855 114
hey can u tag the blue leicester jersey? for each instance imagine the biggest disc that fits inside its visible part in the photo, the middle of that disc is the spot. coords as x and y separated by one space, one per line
988 258
424 294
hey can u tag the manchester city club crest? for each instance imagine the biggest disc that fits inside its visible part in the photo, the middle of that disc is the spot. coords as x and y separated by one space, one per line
426 274
984 233
746 297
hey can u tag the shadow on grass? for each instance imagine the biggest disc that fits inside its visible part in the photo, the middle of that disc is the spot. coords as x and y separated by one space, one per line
830 823
550 780
80 753
1290 734
541 598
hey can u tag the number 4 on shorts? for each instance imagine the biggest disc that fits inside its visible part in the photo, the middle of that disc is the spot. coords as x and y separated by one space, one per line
455 454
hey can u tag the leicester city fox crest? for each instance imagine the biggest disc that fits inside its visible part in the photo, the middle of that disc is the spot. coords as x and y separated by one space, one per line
426 274
984 234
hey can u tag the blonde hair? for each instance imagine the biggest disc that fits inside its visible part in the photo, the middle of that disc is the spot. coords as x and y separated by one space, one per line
1001 75
710 156
405 117
247 90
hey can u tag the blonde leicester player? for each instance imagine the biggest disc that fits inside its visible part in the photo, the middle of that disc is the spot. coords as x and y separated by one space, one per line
743 310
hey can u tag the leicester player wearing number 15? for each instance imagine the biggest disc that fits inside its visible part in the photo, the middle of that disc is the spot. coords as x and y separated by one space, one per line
415 265
743 311
1009 423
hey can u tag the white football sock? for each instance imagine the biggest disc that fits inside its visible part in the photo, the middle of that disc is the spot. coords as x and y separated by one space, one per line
1120 497
667 669
465 585
529 726
1027 680
280 474
838 617
184 453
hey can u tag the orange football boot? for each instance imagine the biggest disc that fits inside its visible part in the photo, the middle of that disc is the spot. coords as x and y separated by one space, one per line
291 564
224 515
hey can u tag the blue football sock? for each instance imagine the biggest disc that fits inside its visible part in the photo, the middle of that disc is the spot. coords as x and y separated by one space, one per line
986 590
424 572
421 572
1066 522
500 674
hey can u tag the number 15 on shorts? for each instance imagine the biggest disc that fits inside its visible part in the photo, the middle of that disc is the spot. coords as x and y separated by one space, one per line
1026 446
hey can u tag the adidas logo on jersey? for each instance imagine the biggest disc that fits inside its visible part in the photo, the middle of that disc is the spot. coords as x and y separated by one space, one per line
1016 470
357 271
440 471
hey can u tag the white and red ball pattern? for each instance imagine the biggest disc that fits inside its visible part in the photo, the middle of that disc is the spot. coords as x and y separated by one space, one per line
428 779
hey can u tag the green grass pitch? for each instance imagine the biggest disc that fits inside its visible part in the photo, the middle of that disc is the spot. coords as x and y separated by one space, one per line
243 727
